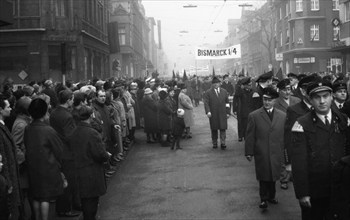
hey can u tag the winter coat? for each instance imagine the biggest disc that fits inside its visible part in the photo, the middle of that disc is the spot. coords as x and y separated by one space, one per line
283 105
264 141
179 126
63 122
10 168
315 149
185 103
17 132
164 115
130 110
150 114
43 157
218 107
89 155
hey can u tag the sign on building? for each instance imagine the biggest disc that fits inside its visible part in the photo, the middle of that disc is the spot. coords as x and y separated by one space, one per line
279 56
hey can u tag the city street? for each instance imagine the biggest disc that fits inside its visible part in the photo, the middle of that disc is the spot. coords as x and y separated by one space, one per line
198 182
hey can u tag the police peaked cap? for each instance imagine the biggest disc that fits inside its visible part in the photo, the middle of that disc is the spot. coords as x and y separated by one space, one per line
304 82
245 81
270 92
215 80
265 76
318 86
339 85
283 83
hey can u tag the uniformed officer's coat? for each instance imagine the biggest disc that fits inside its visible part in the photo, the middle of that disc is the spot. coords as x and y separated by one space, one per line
316 147
293 113
216 105
264 140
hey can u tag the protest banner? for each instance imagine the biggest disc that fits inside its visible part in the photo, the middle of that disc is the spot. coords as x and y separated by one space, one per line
218 53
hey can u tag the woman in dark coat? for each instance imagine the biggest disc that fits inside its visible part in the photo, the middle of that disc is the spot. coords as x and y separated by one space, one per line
150 115
89 154
164 117
43 156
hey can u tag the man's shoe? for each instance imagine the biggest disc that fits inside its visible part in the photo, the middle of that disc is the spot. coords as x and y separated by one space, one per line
284 186
180 148
273 201
215 146
263 205
240 139
69 214
223 146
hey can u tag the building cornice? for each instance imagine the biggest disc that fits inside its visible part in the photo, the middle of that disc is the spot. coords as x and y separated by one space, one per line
23 30
307 18
311 49
92 36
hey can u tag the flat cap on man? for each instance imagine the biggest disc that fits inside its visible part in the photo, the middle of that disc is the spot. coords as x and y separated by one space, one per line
319 86
283 83
270 93
265 76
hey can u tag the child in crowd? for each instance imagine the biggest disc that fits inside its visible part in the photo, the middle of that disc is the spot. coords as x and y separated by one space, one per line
4 211
178 128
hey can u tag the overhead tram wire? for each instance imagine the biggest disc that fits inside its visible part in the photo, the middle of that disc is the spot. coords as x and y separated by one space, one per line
213 22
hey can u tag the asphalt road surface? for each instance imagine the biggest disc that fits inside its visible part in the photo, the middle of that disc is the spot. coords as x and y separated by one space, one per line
198 182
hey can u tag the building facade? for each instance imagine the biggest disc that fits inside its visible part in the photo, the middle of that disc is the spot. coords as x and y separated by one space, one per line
305 33
52 37
257 36
134 37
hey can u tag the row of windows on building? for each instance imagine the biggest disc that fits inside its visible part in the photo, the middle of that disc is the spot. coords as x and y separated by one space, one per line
314 34
299 7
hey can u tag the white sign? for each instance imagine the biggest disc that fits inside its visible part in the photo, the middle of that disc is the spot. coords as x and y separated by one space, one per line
279 56
23 75
218 53
304 60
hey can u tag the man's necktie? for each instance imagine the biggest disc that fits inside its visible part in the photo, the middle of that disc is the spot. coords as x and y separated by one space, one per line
340 106
326 120
217 92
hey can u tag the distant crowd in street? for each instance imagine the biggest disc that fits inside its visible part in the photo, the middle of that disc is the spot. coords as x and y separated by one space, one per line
60 142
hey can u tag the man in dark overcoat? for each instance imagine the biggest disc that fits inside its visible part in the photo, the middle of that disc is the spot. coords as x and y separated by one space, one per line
89 154
282 102
245 105
264 142
295 111
61 119
10 168
216 105
150 115
319 140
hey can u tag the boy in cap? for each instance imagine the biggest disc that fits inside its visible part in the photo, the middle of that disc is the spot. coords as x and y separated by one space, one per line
263 81
178 128
319 140
264 141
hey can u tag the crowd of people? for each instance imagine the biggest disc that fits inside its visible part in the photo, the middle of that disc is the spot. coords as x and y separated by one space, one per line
60 142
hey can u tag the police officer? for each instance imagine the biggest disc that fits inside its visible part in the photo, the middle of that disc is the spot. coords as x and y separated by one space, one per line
319 140
263 81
